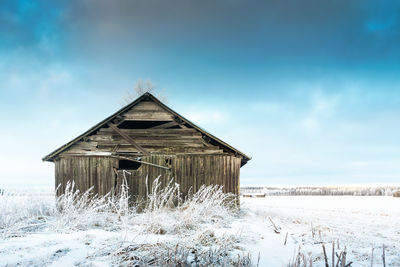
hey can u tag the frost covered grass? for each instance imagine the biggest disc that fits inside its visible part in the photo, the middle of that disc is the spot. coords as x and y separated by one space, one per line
83 228
22 213
203 229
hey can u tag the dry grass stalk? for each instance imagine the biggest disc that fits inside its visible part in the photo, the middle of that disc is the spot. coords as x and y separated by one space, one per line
341 258
333 253
276 229
301 260
325 257
286 238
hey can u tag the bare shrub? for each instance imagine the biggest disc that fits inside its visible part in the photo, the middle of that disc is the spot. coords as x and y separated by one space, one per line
141 87
208 205
81 211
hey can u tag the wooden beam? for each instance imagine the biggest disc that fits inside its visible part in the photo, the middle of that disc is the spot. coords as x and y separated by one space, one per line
128 138
205 143
165 125
180 122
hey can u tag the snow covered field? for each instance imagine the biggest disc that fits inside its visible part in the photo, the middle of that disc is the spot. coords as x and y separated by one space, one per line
201 232
105 231
359 223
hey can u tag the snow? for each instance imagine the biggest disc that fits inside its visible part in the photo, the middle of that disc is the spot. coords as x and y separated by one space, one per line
104 231
357 222
104 239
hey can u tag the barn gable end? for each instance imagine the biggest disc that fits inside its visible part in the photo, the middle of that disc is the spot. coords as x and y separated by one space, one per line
154 126
158 140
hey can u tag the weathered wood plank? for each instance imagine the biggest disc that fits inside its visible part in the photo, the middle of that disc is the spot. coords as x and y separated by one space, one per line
150 141
165 125
191 180
148 116
237 184
93 174
168 150
233 164
144 137
229 174
146 106
207 170
153 144
128 138
57 176
186 180
225 163
151 131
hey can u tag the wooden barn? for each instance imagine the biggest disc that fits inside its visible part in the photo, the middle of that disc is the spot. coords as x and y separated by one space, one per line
148 139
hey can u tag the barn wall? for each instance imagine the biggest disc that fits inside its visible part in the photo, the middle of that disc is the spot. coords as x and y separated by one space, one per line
86 172
190 171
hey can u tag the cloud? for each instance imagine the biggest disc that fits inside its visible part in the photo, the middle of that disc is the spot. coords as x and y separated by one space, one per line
268 30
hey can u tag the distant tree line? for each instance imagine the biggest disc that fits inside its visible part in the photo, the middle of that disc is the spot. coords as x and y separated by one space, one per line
322 191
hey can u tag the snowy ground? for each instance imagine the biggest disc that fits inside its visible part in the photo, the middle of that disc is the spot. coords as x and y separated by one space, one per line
105 232
359 223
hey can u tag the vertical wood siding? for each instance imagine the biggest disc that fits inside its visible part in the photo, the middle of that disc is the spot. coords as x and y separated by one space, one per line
86 172
190 171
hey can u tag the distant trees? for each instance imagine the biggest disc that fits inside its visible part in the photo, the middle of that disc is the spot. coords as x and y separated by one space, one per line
323 191
141 87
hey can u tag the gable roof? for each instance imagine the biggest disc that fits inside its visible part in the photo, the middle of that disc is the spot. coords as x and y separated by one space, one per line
145 97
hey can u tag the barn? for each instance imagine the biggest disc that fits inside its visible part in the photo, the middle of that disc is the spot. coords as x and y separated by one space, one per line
147 139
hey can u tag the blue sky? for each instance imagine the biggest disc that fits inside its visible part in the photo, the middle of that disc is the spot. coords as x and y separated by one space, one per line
310 89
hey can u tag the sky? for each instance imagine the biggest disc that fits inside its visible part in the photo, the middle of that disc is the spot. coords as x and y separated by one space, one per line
310 89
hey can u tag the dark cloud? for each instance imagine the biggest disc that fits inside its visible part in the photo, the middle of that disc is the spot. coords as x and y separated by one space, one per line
278 30
249 34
